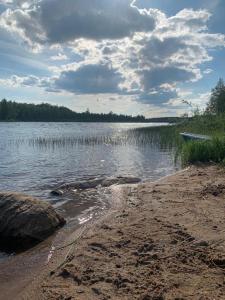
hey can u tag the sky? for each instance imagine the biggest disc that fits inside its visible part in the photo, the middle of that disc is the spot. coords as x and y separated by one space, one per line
143 57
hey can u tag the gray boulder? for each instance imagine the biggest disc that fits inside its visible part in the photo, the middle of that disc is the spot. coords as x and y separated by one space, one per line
94 183
25 221
120 180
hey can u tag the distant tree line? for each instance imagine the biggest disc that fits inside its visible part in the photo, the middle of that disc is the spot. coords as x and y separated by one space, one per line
24 112
13 111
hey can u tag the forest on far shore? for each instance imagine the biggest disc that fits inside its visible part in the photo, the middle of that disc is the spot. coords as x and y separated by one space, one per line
23 112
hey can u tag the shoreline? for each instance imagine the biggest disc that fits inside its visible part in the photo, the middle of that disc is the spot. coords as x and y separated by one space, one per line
161 240
18 271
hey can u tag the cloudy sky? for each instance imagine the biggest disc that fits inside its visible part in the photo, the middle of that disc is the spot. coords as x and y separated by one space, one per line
133 57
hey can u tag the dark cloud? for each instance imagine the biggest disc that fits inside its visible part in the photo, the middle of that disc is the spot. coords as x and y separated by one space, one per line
180 51
157 50
155 77
157 97
90 79
107 50
92 19
31 81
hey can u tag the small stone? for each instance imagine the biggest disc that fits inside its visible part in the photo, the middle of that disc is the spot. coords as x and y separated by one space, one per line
65 273
96 291
202 244
57 193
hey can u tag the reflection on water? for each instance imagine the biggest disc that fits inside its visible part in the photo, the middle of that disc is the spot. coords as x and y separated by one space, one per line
35 157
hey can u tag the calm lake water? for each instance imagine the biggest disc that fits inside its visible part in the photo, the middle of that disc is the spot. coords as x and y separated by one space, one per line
36 157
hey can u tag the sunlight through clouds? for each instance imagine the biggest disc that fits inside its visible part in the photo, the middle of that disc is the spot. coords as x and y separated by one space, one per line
115 48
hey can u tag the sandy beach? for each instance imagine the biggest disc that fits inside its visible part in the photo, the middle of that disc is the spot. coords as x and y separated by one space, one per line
161 240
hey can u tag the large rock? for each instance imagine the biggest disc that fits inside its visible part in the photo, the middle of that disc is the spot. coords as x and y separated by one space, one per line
25 221
120 180
94 183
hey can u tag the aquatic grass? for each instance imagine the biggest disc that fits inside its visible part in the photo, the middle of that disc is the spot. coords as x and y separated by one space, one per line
203 151
165 136
158 137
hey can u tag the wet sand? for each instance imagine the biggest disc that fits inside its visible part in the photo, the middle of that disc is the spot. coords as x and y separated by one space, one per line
162 240
81 212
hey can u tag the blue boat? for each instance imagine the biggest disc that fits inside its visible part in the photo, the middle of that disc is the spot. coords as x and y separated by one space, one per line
192 136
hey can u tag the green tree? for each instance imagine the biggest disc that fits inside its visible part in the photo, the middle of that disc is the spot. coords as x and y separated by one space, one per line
4 110
216 103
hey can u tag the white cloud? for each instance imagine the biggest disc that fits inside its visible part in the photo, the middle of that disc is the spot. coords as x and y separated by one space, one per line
59 57
189 20
119 48
208 71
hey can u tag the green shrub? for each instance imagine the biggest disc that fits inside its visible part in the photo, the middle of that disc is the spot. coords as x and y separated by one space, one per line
203 151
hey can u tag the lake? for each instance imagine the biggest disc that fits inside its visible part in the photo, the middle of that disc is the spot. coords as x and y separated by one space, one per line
35 158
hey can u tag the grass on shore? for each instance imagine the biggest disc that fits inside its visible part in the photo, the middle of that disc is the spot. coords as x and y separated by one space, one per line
203 151
194 151
205 124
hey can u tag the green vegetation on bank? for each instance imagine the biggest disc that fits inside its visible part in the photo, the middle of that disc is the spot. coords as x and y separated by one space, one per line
203 151
210 122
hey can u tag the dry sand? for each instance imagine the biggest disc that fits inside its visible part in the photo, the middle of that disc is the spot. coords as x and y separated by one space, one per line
162 240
